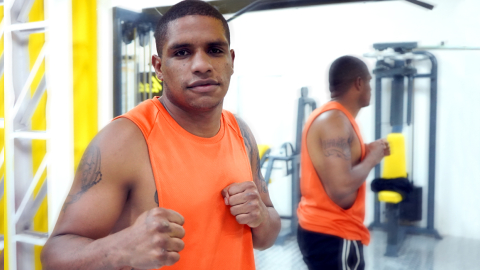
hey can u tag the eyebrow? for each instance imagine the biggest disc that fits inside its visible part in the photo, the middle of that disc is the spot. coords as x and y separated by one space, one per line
218 43
176 46
179 45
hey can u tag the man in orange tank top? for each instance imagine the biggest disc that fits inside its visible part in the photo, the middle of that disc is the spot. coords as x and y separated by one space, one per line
334 166
175 183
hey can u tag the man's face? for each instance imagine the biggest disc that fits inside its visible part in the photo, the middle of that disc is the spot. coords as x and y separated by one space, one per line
196 63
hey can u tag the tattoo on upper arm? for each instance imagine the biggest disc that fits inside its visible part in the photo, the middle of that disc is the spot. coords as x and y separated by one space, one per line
339 147
253 155
91 175
156 198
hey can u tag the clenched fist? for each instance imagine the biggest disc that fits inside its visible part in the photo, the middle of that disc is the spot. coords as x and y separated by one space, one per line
246 204
155 239
377 150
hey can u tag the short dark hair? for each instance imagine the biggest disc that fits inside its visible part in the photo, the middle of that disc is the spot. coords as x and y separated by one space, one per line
343 72
182 9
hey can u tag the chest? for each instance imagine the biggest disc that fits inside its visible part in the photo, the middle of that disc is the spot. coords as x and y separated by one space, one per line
193 175
190 177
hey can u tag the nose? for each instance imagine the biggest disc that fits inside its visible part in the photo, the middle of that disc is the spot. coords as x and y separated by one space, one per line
201 62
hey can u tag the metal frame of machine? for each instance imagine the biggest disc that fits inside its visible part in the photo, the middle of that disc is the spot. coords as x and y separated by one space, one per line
402 68
292 161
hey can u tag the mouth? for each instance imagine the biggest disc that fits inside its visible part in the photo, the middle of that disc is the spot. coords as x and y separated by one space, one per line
203 85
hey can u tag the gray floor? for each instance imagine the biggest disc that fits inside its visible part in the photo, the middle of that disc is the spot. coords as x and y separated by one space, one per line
417 253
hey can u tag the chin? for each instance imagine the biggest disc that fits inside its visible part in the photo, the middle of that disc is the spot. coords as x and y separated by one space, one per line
205 105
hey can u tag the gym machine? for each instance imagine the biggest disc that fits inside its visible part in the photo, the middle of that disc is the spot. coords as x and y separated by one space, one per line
132 28
403 200
291 158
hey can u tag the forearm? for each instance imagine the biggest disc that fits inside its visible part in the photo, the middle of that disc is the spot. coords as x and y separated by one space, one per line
76 252
358 175
266 233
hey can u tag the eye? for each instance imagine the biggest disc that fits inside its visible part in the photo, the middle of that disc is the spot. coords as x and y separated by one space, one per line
181 53
216 51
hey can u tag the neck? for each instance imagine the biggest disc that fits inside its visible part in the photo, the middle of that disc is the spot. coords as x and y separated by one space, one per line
202 124
349 104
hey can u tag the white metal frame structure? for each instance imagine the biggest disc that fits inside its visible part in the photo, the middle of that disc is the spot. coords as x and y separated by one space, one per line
2 124
19 107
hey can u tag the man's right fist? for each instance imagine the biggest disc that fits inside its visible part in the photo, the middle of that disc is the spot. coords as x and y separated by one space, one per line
377 150
155 239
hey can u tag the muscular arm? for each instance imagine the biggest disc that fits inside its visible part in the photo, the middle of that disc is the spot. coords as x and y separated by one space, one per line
101 186
266 233
330 146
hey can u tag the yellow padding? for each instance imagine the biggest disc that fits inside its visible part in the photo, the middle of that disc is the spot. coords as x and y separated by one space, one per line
389 196
262 148
395 165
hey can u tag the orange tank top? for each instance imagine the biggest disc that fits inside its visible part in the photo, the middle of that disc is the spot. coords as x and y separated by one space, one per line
316 211
190 173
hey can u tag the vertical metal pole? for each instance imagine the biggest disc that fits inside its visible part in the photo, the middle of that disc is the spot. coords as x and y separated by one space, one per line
410 120
135 69
117 65
60 169
409 99
125 90
378 135
432 142
10 244
300 118
393 233
144 71
150 65
396 103
295 193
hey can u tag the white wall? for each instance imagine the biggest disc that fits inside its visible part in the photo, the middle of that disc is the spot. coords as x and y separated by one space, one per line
279 51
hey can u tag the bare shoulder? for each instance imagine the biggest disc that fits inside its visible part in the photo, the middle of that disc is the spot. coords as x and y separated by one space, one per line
121 133
247 135
123 149
254 157
330 122
108 171
242 125
331 135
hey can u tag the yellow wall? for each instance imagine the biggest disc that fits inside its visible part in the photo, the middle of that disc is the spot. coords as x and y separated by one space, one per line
84 30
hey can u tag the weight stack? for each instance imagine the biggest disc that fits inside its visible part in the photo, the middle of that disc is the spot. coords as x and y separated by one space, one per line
411 206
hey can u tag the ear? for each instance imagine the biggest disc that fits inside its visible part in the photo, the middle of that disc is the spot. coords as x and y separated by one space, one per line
232 53
157 65
359 83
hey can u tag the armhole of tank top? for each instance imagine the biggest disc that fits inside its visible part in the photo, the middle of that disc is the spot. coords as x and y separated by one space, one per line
154 123
146 136
234 123
155 176
231 120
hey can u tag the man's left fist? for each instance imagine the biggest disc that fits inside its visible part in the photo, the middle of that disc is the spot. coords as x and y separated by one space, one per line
246 204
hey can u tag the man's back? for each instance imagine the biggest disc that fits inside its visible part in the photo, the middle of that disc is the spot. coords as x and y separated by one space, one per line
332 144
335 164
332 134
